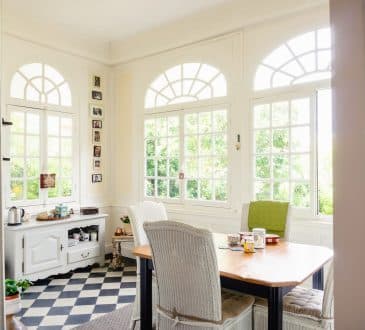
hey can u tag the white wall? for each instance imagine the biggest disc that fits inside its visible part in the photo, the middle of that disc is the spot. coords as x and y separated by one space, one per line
237 55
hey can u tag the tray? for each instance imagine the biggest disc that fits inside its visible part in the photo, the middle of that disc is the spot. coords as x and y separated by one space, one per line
54 218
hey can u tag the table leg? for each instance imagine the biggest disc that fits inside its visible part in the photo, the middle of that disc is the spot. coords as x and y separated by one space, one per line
146 294
318 279
275 309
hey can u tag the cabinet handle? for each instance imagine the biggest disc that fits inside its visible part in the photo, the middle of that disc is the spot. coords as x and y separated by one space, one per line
6 159
61 247
82 255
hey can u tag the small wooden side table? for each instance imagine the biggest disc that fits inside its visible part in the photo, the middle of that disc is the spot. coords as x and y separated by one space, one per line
118 242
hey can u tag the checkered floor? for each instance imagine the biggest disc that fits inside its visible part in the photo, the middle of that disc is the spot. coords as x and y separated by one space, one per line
67 300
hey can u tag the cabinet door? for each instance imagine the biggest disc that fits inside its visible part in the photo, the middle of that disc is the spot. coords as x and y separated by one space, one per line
44 250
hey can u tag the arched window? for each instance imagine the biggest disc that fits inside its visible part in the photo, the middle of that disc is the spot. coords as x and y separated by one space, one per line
38 82
302 59
186 82
292 136
185 153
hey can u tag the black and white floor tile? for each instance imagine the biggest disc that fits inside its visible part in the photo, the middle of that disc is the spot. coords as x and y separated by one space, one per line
68 300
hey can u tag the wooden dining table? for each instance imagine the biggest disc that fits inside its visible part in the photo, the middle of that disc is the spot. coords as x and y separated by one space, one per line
268 273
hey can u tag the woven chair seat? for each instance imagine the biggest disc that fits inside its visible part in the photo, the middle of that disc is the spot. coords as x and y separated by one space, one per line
234 303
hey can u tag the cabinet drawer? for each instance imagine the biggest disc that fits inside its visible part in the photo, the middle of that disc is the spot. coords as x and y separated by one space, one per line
83 254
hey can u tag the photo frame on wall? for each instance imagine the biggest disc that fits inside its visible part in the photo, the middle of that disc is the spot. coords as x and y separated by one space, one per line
96 95
97 164
96 178
96 136
96 111
97 151
96 81
97 123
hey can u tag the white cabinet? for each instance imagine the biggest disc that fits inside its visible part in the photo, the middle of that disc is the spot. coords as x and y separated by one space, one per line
39 249
44 250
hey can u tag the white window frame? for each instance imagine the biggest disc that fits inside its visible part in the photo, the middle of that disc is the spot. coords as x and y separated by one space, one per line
281 94
43 193
182 200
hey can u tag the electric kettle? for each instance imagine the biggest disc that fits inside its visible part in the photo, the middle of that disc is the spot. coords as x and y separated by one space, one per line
15 216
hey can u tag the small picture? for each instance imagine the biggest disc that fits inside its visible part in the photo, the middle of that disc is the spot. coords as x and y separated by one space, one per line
48 180
97 124
96 136
97 95
97 151
97 81
96 111
96 178
97 164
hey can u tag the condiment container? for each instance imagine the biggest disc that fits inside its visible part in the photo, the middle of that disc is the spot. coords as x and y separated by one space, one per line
93 236
249 246
233 239
259 238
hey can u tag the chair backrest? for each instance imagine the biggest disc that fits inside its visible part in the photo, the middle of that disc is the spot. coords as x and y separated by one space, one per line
142 212
186 269
244 220
328 306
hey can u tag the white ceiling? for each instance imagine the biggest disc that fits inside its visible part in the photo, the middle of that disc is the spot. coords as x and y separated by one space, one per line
101 20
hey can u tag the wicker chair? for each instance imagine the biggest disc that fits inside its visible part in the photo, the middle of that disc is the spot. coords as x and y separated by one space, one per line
188 281
138 214
304 309
244 220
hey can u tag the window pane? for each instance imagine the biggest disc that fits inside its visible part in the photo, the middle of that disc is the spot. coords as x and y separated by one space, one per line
262 116
192 189
161 126
53 166
191 145
325 179
300 111
53 146
300 194
206 145
280 113
33 145
32 123
281 191
205 122
300 167
220 190
66 147
191 167
191 123
206 167
150 148
162 167
17 145
33 189
149 128
161 147
66 168
174 148
220 167
262 190
53 125
174 190
220 120
220 144
300 139
173 126
262 141
16 188
280 140
173 167
262 167
150 187
17 119
280 167
66 127
32 168
17 168
66 190
206 189
162 188
150 167
53 192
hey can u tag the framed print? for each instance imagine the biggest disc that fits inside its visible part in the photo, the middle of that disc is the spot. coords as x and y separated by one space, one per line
97 124
96 81
97 95
48 180
96 111
96 178
96 136
97 164
97 151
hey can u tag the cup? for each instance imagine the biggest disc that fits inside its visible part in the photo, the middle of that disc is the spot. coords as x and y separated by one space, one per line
94 236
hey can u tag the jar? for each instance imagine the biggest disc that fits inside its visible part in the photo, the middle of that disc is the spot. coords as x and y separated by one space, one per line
94 236
259 237
249 246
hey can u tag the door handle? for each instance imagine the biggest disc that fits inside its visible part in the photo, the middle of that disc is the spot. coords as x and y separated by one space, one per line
6 159
61 247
